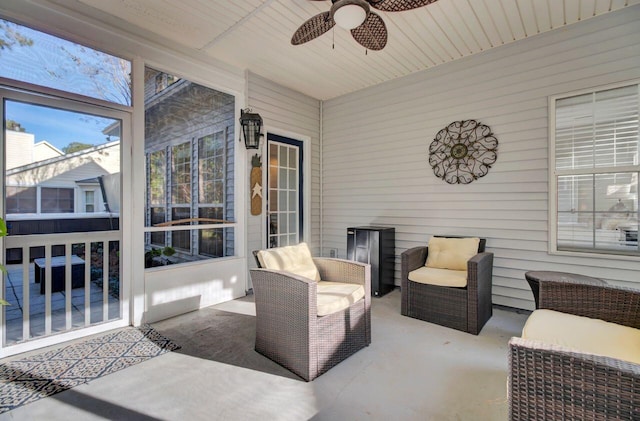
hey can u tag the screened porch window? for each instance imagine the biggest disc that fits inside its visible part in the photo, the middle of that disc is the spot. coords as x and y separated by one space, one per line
56 200
53 62
189 144
21 199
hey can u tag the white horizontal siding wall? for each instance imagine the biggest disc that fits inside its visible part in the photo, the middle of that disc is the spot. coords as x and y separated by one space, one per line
375 150
283 109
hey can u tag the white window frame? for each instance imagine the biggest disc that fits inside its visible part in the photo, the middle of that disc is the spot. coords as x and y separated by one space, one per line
85 203
552 178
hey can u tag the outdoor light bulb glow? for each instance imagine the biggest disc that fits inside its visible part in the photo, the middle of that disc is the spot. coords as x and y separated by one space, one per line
350 16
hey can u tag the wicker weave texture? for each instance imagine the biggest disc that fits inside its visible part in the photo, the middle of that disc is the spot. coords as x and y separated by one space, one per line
443 306
399 5
466 309
607 302
372 34
288 330
553 383
313 28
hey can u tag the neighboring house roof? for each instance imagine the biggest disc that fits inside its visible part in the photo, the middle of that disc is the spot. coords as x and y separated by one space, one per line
44 144
92 180
113 129
59 175
64 157
155 98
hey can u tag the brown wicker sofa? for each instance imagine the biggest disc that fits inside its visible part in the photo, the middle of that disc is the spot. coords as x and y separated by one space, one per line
289 330
466 309
552 382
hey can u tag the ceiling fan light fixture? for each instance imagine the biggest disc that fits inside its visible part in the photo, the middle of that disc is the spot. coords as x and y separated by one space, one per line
349 14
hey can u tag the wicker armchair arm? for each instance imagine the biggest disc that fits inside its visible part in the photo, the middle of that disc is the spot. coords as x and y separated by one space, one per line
276 286
340 270
413 258
606 302
286 319
482 265
479 285
551 382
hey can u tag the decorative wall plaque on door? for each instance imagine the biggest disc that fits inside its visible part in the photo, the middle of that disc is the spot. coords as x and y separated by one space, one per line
463 151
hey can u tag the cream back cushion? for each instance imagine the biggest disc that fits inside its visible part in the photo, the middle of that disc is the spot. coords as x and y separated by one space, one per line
451 253
593 336
295 259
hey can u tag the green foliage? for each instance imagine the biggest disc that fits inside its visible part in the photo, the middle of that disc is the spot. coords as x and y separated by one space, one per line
168 251
3 233
76 146
151 254
15 126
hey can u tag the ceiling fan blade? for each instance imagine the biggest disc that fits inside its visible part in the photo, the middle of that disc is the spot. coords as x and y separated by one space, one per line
372 34
398 5
313 28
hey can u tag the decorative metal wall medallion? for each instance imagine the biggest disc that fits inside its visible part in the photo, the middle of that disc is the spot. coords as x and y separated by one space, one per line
463 151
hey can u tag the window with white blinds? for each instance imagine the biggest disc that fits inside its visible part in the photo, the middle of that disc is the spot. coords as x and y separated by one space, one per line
595 146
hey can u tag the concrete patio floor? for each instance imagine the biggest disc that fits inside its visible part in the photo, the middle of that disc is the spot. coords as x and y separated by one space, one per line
413 370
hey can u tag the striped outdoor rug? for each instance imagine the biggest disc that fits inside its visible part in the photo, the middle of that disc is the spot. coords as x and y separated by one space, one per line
35 377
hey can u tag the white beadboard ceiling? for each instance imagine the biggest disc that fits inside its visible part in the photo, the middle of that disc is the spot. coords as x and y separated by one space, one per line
256 34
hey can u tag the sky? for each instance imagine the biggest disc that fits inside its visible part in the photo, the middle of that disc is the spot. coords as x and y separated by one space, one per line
58 127
63 65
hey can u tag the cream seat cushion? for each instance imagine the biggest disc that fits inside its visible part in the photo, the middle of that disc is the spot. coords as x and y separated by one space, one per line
336 296
332 296
592 336
440 277
451 253
295 259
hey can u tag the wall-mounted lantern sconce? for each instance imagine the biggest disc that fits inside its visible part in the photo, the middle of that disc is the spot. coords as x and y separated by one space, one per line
251 126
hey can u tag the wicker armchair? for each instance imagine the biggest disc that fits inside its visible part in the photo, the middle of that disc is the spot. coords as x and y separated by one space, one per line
550 382
466 309
288 329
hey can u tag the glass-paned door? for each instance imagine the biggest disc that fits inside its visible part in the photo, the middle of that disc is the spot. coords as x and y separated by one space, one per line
62 183
284 196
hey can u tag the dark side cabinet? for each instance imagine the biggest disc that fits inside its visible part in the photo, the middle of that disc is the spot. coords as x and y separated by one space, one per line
376 246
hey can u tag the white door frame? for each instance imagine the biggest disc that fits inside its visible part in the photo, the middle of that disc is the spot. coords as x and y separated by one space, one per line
306 183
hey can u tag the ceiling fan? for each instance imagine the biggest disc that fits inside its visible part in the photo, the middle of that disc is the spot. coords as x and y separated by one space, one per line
366 27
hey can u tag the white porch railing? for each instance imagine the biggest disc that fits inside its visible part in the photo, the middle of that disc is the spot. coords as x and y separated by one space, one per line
68 240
